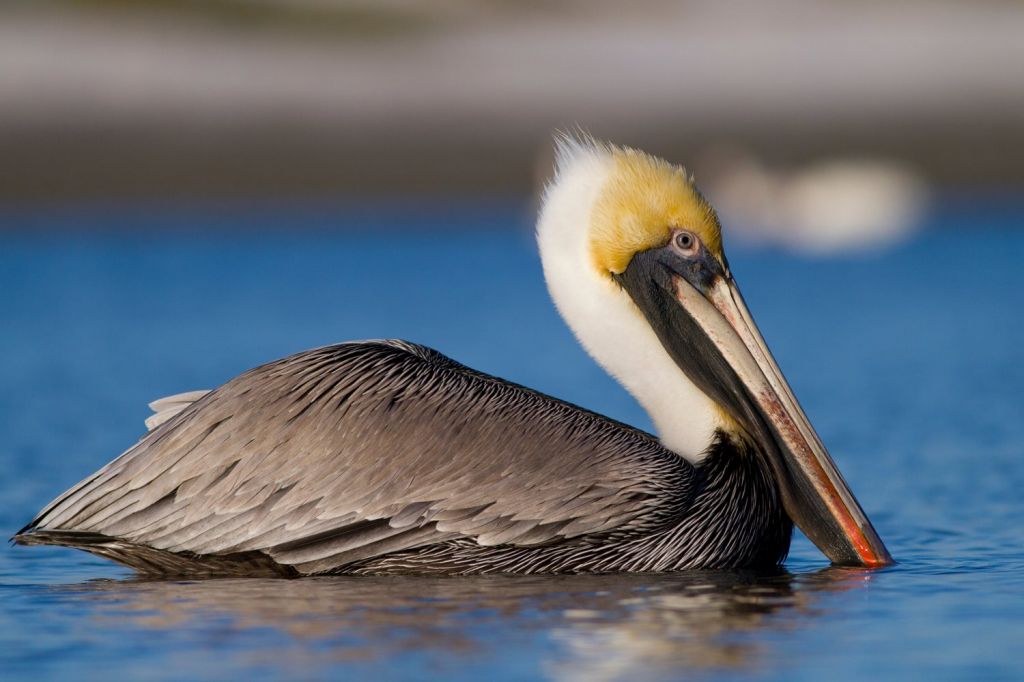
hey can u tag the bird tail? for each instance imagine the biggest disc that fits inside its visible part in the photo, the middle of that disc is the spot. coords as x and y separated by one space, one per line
30 535
158 562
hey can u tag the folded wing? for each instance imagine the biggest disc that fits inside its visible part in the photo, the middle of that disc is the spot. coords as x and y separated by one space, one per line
359 450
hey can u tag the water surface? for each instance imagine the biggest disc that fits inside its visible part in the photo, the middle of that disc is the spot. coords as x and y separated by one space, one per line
910 363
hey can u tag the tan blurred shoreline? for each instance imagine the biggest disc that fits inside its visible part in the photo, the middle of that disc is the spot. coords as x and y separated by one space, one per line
95 103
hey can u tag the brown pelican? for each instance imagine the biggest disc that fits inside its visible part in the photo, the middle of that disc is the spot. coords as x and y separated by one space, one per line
380 457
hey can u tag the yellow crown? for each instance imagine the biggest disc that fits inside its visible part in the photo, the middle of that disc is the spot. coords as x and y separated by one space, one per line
643 201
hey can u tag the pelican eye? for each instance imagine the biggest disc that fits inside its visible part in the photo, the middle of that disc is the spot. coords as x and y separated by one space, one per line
686 243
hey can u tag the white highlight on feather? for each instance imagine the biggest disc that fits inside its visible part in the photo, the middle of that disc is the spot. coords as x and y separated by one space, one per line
168 407
602 315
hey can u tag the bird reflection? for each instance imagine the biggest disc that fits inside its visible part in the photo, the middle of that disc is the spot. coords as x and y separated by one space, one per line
597 626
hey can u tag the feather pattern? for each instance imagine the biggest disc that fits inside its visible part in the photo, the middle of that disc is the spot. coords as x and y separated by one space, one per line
388 457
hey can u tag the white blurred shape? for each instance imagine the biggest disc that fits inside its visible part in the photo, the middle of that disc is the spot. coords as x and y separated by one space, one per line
839 205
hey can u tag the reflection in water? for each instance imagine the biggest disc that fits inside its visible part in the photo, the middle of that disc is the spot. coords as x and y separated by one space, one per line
591 627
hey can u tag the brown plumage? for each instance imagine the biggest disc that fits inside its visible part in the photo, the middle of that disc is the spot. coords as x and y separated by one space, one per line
387 457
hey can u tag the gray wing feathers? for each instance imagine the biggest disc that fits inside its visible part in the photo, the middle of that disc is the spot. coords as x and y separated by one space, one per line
358 450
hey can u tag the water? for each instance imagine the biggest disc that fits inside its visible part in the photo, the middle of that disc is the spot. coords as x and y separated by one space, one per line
910 363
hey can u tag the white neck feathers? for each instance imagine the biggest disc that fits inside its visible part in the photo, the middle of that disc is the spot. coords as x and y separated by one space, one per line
603 316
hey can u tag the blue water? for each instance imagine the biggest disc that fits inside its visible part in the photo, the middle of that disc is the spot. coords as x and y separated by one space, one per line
910 362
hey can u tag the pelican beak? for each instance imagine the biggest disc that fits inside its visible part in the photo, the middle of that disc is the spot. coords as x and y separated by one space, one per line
704 324
814 493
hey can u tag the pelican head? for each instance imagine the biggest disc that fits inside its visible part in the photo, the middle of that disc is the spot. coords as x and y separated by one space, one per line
633 258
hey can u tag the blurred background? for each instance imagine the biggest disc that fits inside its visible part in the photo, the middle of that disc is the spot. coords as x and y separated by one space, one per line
189 188
780 108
